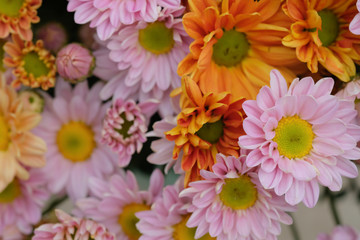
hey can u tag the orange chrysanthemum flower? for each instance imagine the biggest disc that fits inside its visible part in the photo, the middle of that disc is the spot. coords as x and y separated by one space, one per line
19 148
236 45
320 33
16 17
34 65
208 124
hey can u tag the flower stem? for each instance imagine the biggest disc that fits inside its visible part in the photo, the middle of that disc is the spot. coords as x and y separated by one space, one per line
334 211
53 205
294 229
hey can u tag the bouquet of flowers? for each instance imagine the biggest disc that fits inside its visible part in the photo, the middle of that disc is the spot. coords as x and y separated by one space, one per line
237 110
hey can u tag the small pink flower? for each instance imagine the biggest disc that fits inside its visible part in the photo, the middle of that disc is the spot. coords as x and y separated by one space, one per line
72 228
74 62
115 202
71 126
354 26
21 204
125 125
230 203
340 233
300 137
53 35
147 66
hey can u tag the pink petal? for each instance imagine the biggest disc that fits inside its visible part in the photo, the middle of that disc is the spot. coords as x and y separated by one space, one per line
311 194
278 84
265 98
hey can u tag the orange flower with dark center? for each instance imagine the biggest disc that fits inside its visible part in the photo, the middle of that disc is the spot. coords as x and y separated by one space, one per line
236 45
16 17
34 65
209 123
320 33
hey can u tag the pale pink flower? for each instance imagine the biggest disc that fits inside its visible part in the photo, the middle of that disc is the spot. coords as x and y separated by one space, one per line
354 26
230 203
74 62
53 35
71 126
340 233
21 204
149 68
72 228
300 137
107 16
163 148
125 125
115 202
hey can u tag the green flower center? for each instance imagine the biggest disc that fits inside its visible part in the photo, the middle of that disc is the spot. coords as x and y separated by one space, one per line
211 132
124 130
34 65
329 27
11 192
156 38
75 141
182 232
238 193
294 137
11 7
4 134
128 220
230 49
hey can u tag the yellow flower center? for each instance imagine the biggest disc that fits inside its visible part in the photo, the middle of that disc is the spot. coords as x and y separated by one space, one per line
11 192
128 220
238 193
75 141
156 38
211 132
124 130
329 27
230 49
11 7
294 137
34 65
4 134
182 232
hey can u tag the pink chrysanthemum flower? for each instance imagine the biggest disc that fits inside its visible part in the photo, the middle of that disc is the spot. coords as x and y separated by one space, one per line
340 233
124 127
149 54
107 16
300 138
354 26
21 203
74 62
230 203
168 217
163 148
71 126
115 202
72 228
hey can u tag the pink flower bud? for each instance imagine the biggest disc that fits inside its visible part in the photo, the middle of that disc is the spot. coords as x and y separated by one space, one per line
74 63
